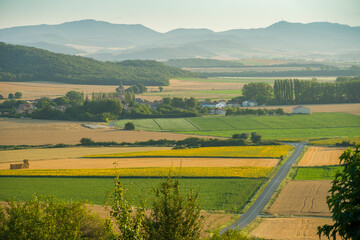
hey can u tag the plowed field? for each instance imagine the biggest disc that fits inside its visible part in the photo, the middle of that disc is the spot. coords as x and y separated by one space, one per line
302 198
37 132
81 163
321 156
290 228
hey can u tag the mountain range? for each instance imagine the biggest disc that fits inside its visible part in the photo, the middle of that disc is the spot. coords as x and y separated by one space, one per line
115 42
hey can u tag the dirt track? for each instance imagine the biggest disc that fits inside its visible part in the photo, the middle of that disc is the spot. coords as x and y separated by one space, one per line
290 228
321 156
303 198
37 132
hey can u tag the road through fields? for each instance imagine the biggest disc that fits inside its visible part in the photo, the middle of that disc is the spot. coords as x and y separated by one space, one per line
265 196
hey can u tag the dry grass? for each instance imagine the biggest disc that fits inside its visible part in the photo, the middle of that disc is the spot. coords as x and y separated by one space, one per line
37 132
33 90
211 220
353 108
290 228
64 153
303 198
321 156
81 163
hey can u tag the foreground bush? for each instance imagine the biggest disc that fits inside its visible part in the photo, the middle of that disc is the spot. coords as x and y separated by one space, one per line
50 218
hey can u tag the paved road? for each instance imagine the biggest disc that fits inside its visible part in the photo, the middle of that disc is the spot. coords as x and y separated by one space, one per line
265 196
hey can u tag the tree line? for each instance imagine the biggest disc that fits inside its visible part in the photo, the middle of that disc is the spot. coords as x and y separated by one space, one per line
295 91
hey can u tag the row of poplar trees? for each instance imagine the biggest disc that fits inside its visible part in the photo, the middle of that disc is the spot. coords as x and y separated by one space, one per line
294 91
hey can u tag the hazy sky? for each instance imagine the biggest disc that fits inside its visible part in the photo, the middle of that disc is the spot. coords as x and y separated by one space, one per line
164 15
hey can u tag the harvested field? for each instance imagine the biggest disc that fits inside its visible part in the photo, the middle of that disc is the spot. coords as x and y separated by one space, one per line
64 153
81 163
321 156
303 198
33 90
353 108
37 132
290 228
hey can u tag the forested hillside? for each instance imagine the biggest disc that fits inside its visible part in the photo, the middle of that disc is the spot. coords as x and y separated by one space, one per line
20 63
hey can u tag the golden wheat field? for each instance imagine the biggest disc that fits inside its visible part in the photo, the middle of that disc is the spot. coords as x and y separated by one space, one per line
243 172
290 228
275 151
86 163
321 156
38 132
303 198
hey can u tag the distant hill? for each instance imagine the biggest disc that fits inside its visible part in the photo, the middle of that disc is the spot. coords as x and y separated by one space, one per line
20 63
106 41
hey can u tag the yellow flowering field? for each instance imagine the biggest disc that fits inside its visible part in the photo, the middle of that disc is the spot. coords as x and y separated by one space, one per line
271 151
244 172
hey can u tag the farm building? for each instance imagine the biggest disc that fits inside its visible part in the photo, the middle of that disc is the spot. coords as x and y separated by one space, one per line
301 110
220 104
25 108
249 103
217 111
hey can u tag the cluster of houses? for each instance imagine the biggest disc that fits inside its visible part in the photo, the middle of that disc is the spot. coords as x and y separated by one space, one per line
218 108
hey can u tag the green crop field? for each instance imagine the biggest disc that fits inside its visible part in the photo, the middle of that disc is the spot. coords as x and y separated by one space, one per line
316 125
317 173
229 194
173 124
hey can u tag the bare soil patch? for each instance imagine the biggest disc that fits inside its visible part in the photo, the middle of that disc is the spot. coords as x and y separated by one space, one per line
303 198
91 163
290 228
321 156
38 132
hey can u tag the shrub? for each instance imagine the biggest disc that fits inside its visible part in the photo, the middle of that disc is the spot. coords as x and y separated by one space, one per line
129 126
86 141
50 218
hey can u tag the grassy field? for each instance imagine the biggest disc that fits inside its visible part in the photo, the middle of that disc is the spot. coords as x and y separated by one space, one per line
214 194
316 125
270 151
316 173
243 172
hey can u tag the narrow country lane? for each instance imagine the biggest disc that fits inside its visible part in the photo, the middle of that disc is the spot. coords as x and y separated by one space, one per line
265 196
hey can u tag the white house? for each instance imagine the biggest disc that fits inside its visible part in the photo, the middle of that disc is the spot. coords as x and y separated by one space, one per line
249 103
217 111
301 110
220 104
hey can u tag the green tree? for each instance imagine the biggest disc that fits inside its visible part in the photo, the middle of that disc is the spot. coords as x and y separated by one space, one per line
18 95
129 126
50 218
261 92
344 201
161 88
75 97
129 221
255 138
10 96
174 215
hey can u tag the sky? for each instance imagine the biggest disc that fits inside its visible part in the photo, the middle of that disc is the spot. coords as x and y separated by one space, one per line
165 15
